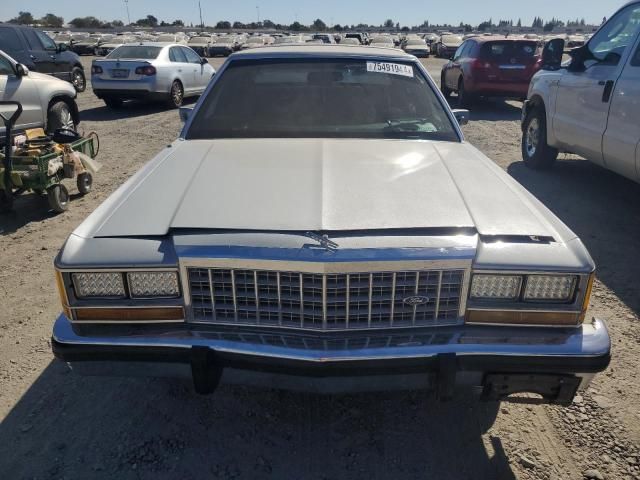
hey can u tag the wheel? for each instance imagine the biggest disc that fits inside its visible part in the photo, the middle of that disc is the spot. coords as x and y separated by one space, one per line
84 182
6 201
176 95
465 99
113 102
536 153
58 197
78 79
443 87
59 116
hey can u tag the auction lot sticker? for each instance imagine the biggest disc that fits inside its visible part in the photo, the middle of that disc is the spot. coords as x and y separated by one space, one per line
392 68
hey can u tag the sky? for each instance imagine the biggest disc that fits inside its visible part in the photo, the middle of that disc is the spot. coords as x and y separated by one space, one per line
373 12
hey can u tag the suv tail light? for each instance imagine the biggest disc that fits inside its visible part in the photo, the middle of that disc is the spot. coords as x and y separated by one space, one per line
147 70
96 69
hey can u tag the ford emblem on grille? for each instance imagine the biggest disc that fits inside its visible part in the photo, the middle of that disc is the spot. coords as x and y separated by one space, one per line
415 300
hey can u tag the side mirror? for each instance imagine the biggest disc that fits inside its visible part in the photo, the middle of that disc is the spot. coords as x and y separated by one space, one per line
581 55
462 116
552 54
203 61
185 113
21 70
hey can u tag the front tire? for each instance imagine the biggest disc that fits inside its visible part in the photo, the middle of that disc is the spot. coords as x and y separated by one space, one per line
176 95
58 197
59 116
84 182
465 99
443 87
78 79
536 152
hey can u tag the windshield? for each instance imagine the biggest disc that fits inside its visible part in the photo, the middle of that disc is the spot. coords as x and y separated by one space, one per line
200 40
416 42
321 99
137 52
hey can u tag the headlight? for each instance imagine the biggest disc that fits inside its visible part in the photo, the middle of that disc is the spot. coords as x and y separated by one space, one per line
496 287
153 284
554 288
99 284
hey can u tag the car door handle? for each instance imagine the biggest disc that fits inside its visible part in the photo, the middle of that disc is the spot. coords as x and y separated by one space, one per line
608 89
53 57
32 57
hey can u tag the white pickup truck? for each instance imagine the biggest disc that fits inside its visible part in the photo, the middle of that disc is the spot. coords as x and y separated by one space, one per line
590 105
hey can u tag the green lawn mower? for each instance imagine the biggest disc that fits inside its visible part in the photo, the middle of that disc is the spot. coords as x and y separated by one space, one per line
40 163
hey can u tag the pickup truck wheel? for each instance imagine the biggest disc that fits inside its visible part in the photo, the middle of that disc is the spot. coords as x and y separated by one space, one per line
59 116
536 153
58 197
78 79
176 95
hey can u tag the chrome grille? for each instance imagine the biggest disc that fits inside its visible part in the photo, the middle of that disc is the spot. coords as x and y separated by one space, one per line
324 301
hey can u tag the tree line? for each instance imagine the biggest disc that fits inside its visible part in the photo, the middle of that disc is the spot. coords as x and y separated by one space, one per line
53 21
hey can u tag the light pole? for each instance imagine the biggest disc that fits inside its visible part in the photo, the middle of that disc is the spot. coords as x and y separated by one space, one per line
201 21
126 4
258 10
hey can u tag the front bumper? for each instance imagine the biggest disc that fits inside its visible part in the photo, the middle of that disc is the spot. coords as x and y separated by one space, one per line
499 360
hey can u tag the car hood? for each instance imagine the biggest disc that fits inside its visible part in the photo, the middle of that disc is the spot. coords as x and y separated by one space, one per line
319 185
51 80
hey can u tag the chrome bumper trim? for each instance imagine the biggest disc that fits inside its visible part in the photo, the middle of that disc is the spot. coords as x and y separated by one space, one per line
589 341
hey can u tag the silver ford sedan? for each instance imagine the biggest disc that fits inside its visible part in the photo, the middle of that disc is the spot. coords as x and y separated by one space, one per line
150 71
328 228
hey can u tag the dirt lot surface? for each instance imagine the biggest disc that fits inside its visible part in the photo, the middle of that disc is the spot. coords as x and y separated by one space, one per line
57 425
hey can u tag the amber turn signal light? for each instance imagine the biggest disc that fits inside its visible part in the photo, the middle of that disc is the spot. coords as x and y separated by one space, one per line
64 300
130 315
555 319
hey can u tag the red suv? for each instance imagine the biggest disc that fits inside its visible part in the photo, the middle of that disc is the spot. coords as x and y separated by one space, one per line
491 67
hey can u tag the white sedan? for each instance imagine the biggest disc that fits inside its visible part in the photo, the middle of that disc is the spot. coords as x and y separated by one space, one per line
150 71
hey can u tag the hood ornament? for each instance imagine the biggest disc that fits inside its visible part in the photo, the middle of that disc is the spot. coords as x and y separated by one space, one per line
324 241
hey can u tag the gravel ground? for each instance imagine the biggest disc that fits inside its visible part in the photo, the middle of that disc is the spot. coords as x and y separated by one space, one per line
57 425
